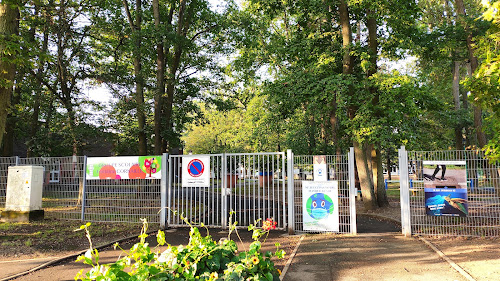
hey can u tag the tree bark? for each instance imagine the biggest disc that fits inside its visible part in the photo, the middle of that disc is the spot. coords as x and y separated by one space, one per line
182 29
139 80
459 144
34 124
378 175
160 79
8 141
9 26
365 180
478 118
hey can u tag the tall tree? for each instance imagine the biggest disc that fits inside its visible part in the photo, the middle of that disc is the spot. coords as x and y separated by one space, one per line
478 115
136 27
9 26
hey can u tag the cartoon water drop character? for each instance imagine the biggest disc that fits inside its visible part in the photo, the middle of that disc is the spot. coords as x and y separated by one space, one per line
457 203
319 206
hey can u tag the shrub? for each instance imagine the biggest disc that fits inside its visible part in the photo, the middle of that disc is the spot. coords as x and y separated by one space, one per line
201 259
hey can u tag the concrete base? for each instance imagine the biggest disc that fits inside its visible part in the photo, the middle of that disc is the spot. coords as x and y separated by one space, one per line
17 216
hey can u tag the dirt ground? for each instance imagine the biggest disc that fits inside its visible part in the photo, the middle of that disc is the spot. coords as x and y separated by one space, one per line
52 237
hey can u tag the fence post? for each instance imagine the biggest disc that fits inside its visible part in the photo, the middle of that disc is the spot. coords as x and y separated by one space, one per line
17 160
352 191
163 189
222 187
170 182
84 188
404 192
291 195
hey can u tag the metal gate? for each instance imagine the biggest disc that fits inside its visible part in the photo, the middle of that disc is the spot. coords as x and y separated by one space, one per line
242 187
341 169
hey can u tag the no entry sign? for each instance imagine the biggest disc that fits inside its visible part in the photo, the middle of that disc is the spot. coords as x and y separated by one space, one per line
196 168
196 171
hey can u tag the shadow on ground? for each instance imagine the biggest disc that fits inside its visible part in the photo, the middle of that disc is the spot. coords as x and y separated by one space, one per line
368 224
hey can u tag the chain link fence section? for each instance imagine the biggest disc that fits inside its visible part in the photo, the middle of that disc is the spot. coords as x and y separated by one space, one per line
62 185
5 163
483 190
123 200
338 169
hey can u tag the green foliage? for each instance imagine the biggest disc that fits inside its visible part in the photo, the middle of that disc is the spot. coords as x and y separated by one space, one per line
485 84
201 259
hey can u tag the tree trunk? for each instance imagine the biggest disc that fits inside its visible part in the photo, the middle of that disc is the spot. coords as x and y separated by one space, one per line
139 80
478 118
456 99
34 124
9 25
182 28
8 142
160 79
378 175
365 179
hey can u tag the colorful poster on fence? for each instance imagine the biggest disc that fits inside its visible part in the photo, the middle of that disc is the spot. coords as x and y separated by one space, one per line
320 207
445 174
451 202
195 171
124 167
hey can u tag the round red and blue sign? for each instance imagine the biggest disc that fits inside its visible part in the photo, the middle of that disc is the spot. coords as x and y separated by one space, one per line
196 168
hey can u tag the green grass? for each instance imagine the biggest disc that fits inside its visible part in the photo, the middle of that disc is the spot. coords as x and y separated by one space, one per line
393 193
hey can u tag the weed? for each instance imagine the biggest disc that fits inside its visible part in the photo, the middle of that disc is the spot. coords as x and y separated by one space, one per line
28 243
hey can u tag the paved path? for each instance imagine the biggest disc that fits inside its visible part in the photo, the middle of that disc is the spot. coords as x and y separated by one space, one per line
367 257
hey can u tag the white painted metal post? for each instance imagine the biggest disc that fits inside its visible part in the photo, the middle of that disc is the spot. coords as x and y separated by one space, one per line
17 160
404 192
222 188
84 187
163 190
291 198
352 191
170 181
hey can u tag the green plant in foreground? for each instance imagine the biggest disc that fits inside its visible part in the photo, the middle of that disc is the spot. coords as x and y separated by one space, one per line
201 259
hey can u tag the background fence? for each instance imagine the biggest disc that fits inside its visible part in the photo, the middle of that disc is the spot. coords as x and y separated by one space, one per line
483 183
338 169
103 200
5 163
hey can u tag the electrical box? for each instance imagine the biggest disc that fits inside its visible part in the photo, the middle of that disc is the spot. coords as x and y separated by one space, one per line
24 189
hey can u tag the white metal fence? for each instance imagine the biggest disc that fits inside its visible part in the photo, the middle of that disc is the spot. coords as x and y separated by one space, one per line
482 183
246 187
338 167
63 185
5 163
249 186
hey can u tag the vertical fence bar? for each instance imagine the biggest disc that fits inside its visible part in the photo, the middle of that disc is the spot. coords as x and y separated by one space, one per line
223 193
404 192
84 189
291 200
352 191
169 189
163 189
